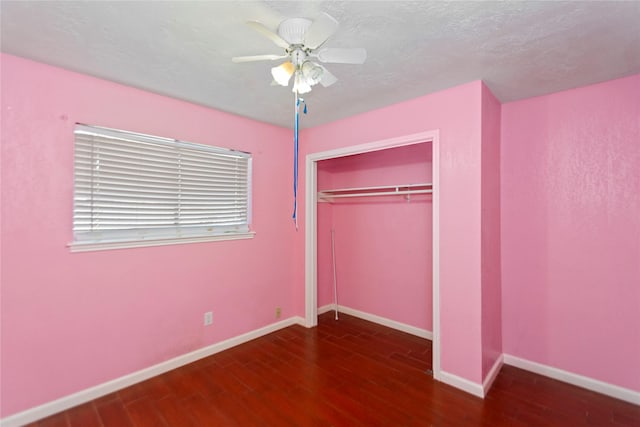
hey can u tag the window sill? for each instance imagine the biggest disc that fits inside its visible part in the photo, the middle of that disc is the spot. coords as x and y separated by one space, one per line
103 246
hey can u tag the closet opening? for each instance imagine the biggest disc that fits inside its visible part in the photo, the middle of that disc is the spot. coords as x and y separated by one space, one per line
379 203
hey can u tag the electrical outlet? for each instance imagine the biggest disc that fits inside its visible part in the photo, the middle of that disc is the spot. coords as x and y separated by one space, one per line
278 312
208 318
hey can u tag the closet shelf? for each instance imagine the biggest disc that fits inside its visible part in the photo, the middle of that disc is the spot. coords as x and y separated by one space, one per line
388 190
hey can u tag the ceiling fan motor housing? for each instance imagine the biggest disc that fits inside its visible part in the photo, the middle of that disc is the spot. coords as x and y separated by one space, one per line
293 30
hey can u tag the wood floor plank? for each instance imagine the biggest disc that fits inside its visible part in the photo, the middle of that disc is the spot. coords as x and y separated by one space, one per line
57 420
173 412
220 377
113 413
84 416
143 412
348 372
234 410
202 412
265 411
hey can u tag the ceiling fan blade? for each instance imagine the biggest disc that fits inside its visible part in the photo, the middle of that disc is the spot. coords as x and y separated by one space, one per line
321 29
259 27
327 78
238 59
338 55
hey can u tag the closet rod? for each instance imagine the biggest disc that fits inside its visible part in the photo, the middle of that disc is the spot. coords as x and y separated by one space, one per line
388 190
379 187
377 193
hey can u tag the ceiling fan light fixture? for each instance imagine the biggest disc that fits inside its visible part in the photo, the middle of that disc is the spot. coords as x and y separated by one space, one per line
300 84
303 41
312 72
282 73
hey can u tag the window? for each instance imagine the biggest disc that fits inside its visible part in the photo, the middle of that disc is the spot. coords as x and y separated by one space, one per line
139 190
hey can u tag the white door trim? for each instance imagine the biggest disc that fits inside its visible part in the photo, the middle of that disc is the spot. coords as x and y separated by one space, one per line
311 224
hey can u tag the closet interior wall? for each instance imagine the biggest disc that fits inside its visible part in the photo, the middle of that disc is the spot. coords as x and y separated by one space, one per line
383 244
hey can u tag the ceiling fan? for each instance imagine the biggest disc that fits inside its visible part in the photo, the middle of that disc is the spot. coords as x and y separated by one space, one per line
302 40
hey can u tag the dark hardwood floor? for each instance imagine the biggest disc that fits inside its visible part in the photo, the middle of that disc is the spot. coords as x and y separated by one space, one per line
343 373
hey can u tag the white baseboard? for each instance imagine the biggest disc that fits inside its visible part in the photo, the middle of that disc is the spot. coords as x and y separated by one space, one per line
491 376
325 308
478 390
422 333
618 392
461 383
75 399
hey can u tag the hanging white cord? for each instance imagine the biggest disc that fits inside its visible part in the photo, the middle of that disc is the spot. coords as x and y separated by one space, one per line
335 282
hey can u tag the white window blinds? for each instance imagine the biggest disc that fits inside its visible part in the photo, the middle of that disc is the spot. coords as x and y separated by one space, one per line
130 186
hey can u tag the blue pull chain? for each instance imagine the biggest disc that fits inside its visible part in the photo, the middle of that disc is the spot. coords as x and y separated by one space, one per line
295 159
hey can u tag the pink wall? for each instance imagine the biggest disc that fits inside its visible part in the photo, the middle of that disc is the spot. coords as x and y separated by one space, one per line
571 230
456 113
71 321
491 280
383 244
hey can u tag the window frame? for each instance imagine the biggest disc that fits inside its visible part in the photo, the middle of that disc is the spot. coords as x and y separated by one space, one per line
94 240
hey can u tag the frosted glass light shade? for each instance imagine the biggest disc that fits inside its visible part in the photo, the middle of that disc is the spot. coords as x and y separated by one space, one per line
300 84
312 73
282 73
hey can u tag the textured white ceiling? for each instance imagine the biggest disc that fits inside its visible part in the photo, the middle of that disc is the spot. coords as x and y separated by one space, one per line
183 48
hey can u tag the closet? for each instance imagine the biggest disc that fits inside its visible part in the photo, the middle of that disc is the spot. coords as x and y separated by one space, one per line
379 205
